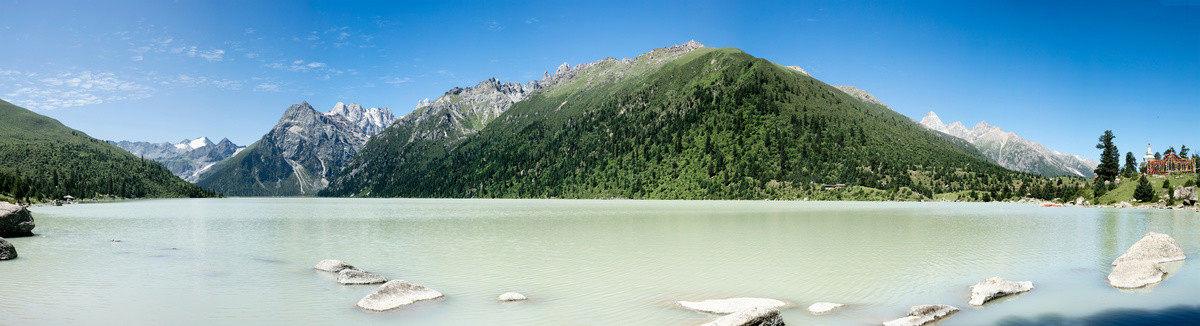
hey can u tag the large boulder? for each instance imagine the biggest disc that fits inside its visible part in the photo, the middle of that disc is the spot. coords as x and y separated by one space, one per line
821 308
7 251
1141 264
333 265
1187 194
757 316
354 276
731 305
996 287
15 221
395 294
923 315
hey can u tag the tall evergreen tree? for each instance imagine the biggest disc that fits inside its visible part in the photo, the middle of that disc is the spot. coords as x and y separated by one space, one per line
1144 192
1130 165
1110 159
1183 151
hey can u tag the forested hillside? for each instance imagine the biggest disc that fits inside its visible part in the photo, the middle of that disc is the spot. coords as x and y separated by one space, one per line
41 159
714 123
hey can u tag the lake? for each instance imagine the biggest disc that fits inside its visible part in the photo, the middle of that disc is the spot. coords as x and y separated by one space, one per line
581 262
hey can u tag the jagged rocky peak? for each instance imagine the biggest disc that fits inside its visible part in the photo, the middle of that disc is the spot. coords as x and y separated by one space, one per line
932 121
1011 151
564 67
368 120
423 103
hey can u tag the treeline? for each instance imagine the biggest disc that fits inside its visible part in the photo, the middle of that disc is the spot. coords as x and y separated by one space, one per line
39 172
722 125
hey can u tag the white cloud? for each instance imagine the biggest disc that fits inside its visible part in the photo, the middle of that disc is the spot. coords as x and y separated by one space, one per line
303 66
397 81
250 31
70 89
267 87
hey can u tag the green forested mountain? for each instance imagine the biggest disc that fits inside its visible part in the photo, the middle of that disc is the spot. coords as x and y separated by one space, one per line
41 158
711 123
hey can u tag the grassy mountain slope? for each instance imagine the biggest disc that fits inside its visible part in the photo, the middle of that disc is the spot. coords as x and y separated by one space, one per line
41 158
714 123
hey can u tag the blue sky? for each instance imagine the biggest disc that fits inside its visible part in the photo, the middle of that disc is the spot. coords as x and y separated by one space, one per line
1059 73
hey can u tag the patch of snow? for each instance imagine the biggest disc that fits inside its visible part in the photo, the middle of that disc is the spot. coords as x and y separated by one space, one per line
198 142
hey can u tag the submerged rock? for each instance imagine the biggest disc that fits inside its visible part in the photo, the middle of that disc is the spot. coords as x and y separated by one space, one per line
923 315
7 251
1141 264
395 294
15 221
511 296
757 316
731 305
333 265
820 308
354 276
996 287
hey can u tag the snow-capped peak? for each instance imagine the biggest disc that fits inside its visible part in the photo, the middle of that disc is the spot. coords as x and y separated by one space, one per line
193 144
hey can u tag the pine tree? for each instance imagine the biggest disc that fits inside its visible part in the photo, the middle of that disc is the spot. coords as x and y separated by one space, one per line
1144 192
1110 160
1130 165
1183 151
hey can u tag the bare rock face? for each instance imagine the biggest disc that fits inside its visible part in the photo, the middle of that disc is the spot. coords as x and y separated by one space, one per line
757 316
512 296
351 276
923 315
15 221
7 251
996 287
395 294
333 265
821 308
1141 264
731 305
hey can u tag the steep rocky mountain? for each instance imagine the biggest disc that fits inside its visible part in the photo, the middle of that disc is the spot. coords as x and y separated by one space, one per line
40 158
186 159
300 154
680 122
1012 151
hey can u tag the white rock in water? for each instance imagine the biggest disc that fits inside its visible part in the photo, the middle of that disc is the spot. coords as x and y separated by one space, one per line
923 315
333 265
823 307
354 276
731 305
396 293
757 316
511 296
996 287
1141 264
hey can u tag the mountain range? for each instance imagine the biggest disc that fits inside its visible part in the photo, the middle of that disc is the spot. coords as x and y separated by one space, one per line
300 154
186 159
1012 151
682 122
41 159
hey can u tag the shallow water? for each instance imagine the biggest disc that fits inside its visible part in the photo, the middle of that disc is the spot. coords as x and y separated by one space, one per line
249 261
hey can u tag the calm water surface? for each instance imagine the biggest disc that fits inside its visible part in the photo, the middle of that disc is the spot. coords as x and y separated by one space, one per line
249 261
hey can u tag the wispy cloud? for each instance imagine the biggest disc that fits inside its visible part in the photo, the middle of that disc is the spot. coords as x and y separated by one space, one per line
168 45
396 81
69 89
303 66
267 87
186 80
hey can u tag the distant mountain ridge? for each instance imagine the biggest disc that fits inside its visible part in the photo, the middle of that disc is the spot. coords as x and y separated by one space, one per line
1013 152
300 154
186 159
49 160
